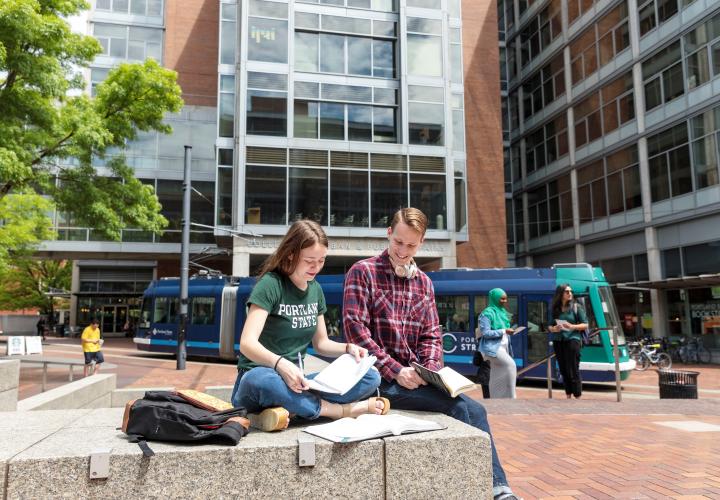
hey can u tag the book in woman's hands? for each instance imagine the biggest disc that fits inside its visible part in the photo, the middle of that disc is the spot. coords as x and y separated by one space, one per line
446 379
369 426
342 374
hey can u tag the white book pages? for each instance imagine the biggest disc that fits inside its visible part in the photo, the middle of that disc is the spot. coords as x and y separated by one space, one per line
369 426
342 374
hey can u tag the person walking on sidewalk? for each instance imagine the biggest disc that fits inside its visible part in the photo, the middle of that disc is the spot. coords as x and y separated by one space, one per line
495 346
91 343
286 313
389 309
567 339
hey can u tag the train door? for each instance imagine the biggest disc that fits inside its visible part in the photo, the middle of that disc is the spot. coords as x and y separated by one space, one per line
536 311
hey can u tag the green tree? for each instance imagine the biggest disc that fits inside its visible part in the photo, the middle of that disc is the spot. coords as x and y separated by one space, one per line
26 281
51 134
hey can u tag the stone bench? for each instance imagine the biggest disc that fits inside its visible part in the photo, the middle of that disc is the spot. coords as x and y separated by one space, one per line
9 380
50 458
89 392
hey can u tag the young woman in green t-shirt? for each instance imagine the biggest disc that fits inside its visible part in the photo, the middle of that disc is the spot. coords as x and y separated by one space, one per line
567 340
285 314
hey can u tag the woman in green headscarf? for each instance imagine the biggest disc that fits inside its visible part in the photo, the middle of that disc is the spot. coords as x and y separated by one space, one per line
494 329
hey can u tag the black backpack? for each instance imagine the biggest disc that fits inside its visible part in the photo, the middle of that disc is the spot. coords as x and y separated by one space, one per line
165 416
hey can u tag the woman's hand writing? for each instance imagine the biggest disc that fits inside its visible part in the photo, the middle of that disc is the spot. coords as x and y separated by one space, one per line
293 377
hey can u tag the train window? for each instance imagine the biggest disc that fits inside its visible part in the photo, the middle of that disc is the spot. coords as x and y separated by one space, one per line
481 303
585 301
537 319
454 312
611 315
333 322
202 310
166 310
144 321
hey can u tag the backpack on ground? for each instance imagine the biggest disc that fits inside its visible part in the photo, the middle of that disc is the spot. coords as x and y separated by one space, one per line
167 416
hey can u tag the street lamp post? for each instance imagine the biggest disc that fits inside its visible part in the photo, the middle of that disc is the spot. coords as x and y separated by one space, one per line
184 262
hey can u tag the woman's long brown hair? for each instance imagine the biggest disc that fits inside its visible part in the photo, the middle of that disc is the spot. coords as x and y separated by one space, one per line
302 234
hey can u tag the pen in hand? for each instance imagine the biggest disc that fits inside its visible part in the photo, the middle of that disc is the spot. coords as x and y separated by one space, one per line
302 370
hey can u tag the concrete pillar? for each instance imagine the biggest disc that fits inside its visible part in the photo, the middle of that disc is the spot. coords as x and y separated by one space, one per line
658 299
241 264
579 252
74 288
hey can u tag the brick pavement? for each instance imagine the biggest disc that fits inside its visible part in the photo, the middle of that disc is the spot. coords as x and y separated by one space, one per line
552 449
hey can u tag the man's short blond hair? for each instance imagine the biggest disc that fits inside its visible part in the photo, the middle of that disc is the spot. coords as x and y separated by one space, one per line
412 217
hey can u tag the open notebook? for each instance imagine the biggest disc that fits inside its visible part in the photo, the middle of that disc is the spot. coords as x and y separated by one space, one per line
342 374
369 426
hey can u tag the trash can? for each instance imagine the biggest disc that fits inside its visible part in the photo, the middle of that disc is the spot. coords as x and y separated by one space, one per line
677 384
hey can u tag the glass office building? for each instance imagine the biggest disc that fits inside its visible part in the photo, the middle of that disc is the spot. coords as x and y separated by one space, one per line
340 111
611 128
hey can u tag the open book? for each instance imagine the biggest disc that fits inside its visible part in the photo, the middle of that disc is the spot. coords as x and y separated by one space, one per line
518 330
446 379
369 426
342 374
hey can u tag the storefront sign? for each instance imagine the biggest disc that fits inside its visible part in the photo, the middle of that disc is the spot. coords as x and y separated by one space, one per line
16 346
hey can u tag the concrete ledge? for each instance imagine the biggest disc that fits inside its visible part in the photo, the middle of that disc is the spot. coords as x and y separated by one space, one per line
9 381
223 392
55 463
73 395
120 397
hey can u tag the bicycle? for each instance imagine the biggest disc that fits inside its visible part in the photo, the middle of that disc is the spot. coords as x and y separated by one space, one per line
693 351
650 357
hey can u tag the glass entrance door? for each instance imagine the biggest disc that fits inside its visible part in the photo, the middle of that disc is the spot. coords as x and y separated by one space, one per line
113 319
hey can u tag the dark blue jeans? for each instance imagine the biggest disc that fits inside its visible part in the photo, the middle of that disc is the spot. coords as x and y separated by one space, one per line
427 398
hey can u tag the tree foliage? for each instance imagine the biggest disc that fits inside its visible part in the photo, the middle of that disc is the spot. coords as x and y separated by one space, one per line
26 282
52 136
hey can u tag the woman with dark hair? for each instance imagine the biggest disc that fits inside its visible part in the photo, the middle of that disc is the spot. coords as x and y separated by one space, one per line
285 314
571 321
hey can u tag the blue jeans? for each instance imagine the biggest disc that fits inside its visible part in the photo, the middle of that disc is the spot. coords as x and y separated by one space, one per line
428 398
263 387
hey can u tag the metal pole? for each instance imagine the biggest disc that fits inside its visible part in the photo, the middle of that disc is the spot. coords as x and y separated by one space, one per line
616 355
549 374
184 262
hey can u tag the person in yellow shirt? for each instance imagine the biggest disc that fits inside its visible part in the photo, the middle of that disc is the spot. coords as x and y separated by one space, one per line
91 343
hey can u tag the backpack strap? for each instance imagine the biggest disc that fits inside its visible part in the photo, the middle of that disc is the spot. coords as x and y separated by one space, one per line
142 444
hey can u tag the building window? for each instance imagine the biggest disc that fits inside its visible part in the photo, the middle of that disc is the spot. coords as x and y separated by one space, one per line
308 194
389 194
426 115
458 122
655 12
424 47
546 144
349 198
228 33
427 192
544 86
265 194
538 211
129 42
540 32
266 104
224 187
97 76
669 161
623 180
705 133
226 111
267 31
577 8
136 7
591 192
604 110
366 55
381 5
600 43
663 76
456 62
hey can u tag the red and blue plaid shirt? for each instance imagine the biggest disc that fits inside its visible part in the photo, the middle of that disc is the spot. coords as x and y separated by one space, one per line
394 318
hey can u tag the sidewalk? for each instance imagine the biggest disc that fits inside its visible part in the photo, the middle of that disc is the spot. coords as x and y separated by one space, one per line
554 448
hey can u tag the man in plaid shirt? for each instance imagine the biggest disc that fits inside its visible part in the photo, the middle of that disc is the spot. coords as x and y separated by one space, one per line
389 309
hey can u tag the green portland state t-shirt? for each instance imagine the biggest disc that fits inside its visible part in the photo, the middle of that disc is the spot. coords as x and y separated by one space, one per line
292 319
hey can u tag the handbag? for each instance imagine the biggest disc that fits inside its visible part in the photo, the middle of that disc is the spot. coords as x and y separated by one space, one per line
586 332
